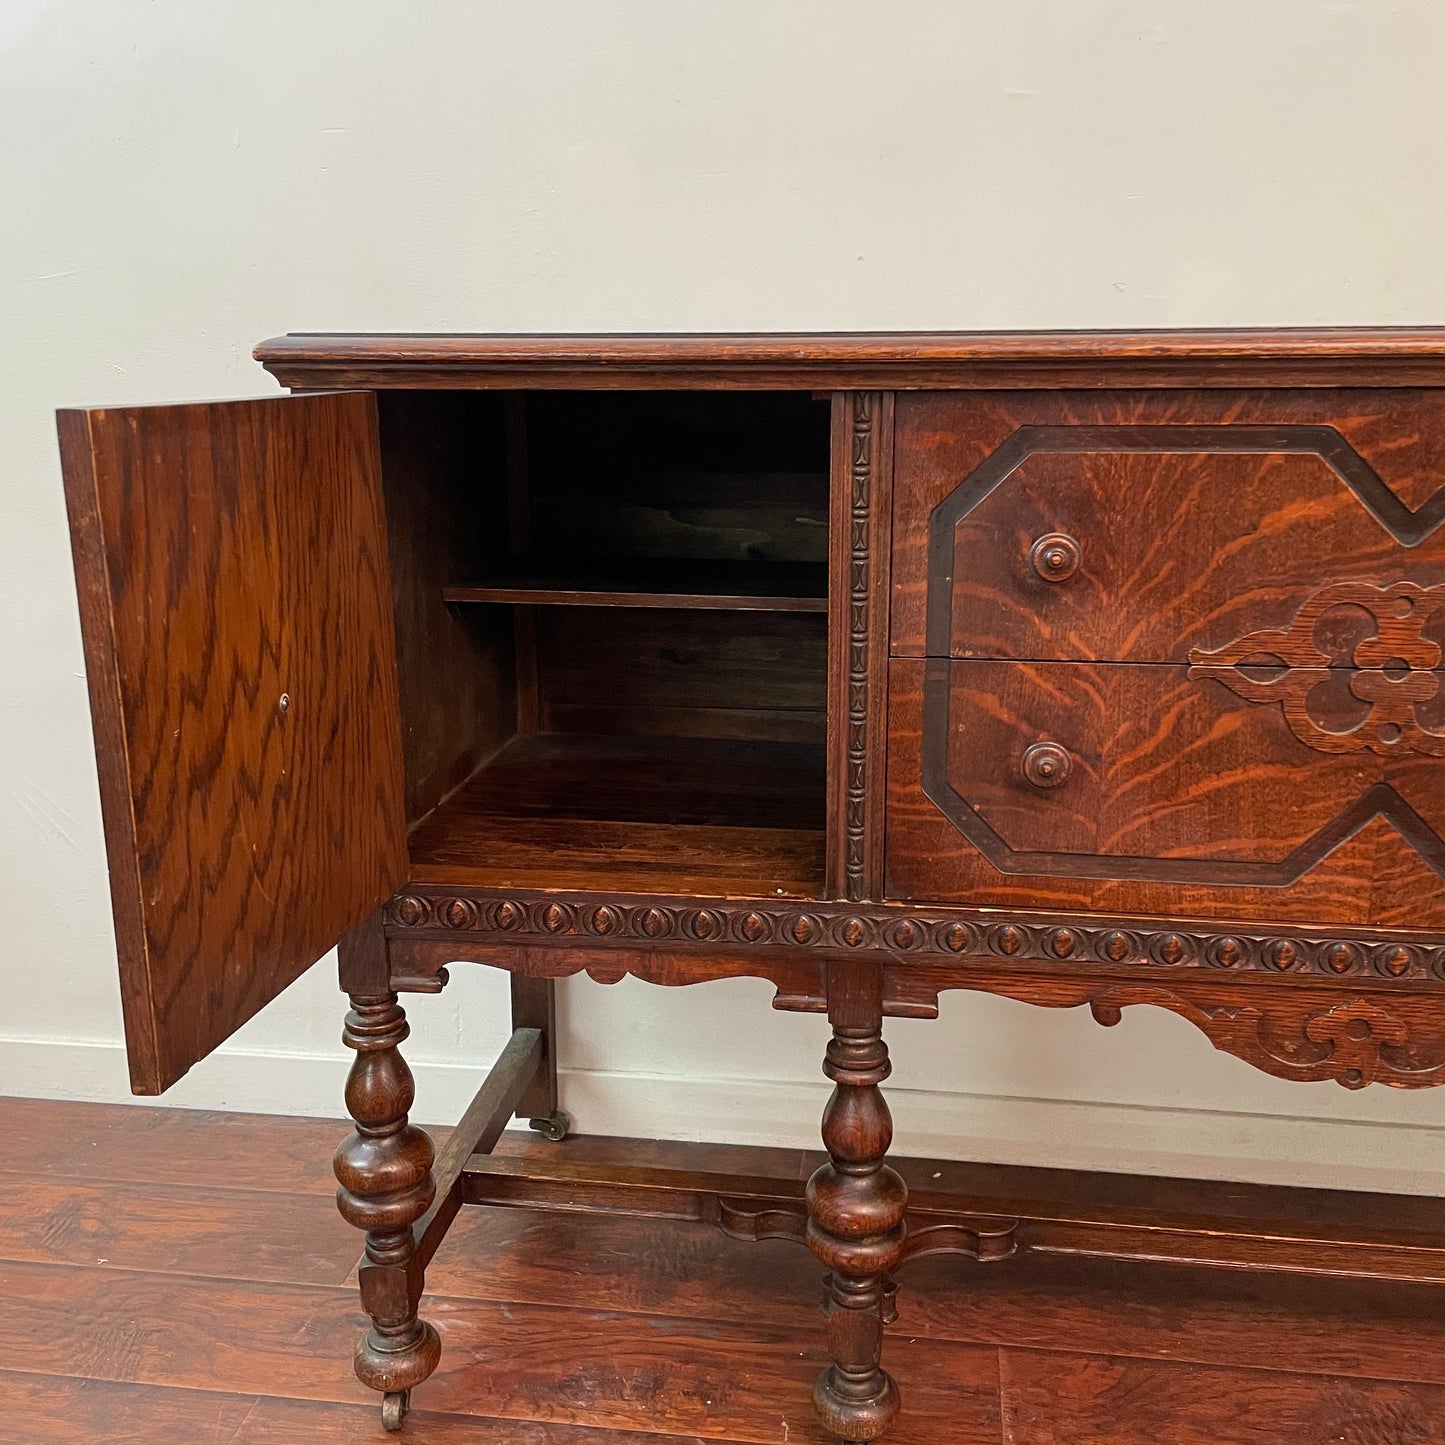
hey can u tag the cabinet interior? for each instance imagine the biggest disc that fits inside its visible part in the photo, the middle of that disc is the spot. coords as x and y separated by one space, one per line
611 616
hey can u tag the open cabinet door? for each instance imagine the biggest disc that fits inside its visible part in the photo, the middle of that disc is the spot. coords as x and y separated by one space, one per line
236 610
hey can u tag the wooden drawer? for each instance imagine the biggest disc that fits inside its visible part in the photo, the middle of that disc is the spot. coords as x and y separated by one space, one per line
1217 692
1141 788
1185 520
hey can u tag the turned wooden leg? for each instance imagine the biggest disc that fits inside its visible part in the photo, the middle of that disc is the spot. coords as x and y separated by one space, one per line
855 1211
384 1169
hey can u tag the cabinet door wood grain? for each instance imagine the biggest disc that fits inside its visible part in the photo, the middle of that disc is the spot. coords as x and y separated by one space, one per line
236 611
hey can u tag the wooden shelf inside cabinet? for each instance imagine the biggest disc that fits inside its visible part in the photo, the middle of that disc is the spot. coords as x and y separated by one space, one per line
633 814
740 586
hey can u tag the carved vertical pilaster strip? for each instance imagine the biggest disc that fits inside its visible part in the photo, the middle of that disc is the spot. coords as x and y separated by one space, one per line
386 1185
856 1207
862 443
860 470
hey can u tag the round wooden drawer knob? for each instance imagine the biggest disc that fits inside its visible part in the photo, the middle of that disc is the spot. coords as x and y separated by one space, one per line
1046 765
1055 557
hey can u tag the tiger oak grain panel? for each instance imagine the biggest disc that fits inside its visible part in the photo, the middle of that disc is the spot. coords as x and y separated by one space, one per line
1179 797
1197 517
236 611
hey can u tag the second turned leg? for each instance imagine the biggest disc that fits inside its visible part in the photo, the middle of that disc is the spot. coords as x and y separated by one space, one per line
386 1185
856 1210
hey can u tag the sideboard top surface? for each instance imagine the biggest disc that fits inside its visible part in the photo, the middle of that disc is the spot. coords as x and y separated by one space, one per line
1336 356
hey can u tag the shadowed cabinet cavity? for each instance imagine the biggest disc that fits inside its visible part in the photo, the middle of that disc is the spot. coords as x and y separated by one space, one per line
613 644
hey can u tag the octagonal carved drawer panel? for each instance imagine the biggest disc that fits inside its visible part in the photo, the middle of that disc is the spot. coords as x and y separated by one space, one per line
1147 527
1161 788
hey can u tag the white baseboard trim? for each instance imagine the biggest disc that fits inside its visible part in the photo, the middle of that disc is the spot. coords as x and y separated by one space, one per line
1061 1133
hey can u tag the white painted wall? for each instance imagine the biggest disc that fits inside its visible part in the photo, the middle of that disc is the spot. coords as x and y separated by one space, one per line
178 181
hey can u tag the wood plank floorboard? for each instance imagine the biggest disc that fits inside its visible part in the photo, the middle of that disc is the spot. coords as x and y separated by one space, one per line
629 1265
52 1407
1315 1326
49 1408
231 1234
141 1143
564 1365
178 1277
1093 1400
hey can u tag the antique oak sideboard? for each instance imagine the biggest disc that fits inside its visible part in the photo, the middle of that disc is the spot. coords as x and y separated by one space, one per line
1084 668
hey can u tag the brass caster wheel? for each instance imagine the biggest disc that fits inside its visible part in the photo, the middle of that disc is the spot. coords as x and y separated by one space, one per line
556 1126
394 1407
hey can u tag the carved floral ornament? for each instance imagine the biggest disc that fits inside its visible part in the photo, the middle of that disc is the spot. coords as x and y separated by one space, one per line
1390 671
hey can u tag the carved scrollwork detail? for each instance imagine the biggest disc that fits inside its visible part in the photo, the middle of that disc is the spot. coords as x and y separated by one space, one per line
1354 1043
1389 673
894 931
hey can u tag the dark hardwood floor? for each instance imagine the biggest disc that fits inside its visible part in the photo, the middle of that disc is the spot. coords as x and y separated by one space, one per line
176 1276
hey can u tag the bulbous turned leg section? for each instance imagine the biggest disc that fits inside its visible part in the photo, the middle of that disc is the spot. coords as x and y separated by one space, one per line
384 1170
856 1228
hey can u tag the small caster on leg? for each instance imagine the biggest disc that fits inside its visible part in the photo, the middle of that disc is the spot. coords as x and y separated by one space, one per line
394 1407
556 1126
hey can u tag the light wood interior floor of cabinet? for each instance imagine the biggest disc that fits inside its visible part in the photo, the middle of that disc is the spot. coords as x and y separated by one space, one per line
716 817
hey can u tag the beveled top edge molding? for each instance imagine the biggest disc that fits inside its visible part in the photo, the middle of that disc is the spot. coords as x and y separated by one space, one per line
1363 356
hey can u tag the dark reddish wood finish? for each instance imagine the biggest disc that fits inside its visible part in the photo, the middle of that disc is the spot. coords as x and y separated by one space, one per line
856 1207
508 1084
675 586
993 1211
681 674
1065 1349
1127 692
443 482
1354 356
534 1006
630 814
1215 618
384 1174
231 563
1198 517
858 641
1180 799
